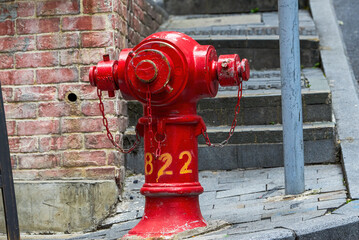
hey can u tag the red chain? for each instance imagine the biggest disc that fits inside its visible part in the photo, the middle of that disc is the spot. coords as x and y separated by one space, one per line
152 136
234 122
109 134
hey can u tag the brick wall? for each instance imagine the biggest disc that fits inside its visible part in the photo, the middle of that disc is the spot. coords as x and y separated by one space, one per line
46 48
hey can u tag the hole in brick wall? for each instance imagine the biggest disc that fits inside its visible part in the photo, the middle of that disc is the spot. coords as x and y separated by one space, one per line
72 97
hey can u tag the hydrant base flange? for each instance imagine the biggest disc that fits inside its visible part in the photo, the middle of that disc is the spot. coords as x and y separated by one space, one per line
168 216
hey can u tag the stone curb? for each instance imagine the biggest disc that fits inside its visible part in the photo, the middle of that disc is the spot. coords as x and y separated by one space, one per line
342 83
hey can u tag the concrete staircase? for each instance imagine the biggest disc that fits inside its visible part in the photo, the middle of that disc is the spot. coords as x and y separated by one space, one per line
257 141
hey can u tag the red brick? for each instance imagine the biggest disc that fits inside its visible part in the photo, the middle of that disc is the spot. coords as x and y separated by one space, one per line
83 56
84 158
84 91
13 44
56 75
97 141
97 39
136 24
115 123
7 94
64 142
141 3
35 93
84 74
73 125
116 158
58 109
138 12
38 25
7 11
121 9
70 57
25 9
13 161
17 77
26 174
20 110
11 127
91 56
113 52
58 41
37 127
61 173
23 144
38 59
120 41
38 161
49 174
134 37
123 28
83 23
7 28
57 7
96 6
6 61
115 21
108 172
122 123
92 108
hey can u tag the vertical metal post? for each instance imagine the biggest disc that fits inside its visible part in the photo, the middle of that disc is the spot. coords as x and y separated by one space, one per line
6 180
293 149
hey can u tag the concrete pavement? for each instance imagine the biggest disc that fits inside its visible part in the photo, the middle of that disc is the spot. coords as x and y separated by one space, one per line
248 201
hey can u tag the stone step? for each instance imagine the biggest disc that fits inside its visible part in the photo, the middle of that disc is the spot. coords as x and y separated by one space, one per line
176 7
261 101
251 36
251 147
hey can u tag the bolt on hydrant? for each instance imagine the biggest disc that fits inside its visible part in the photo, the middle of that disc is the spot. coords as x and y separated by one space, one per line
168 72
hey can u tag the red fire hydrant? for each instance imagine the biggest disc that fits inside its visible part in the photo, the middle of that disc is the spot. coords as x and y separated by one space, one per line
168 72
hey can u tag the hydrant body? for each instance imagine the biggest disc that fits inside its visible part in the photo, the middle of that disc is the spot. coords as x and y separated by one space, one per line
168 72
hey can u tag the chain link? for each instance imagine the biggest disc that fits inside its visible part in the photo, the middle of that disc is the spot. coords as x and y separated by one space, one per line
152 136
150 121
109 134
234 122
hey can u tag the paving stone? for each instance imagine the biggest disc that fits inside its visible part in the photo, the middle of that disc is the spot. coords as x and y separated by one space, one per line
207 197
236 218
290 218
241 189
332 195
119 230
331 204
220 202
262 195
249 227
327 227
237 209
118 218
254 180
209 184
351 208
274 234
313 215
327 187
